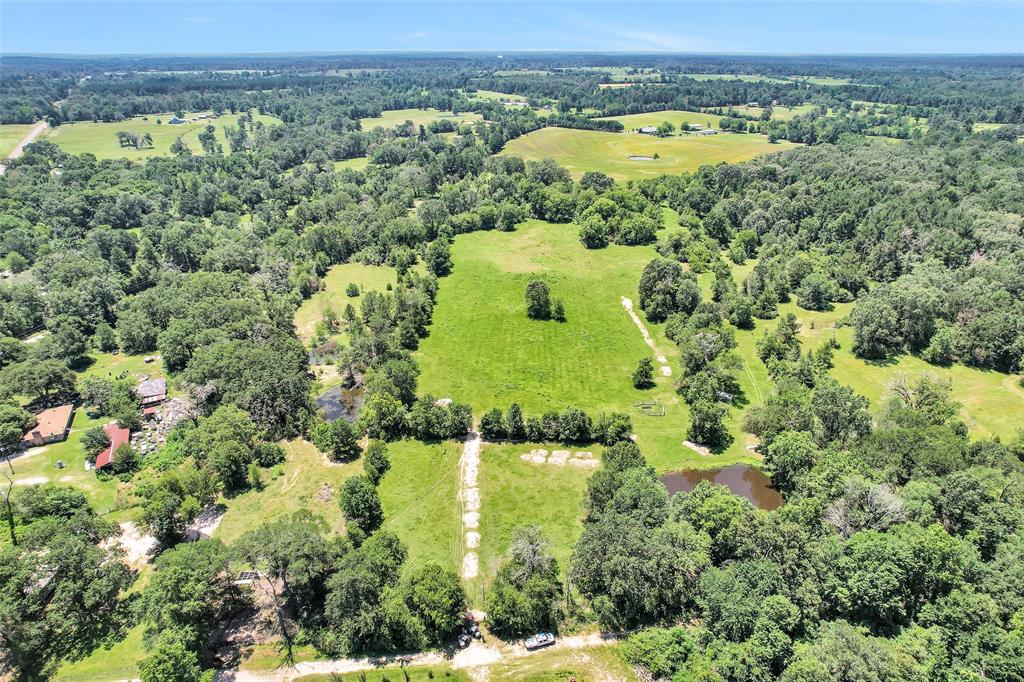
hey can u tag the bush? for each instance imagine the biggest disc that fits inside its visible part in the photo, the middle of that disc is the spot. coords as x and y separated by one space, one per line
335 439
375 461
360 503
268 454
352 290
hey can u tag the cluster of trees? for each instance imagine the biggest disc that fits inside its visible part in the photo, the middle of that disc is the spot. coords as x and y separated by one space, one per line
618 215
540 305
571 425
129 139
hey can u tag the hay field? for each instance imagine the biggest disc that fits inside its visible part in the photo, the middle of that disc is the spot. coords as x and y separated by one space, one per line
677 118
419 117
10 135
587 150
101 138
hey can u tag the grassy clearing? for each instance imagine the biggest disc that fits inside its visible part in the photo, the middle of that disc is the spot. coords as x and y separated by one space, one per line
677 118
483 350
10 135
356 164
515 493
586 150
591 664
419 117
366 277
749 78
822 80
118 662
419 495
495 96
101 138
779 113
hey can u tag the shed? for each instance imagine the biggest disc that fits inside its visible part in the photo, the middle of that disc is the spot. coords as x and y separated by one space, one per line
152 391
52 426
709 131
648 130
118 437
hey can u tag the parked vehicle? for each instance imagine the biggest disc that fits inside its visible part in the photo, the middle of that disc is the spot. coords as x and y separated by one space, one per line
539 641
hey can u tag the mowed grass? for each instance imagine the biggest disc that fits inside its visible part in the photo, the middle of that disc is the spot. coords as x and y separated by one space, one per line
120 661
587 150
357 164
419 117
749 78
101 138
515 493
779 113
10 135
418 495
333 296
679 119
483 350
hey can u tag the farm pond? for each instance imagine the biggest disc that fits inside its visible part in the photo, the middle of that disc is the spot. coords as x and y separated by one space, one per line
340 403
742 479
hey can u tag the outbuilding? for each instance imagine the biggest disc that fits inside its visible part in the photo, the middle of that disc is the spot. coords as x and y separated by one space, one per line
152 391
118 436
648 130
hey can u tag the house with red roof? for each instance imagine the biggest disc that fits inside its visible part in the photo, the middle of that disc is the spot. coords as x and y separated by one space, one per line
118 437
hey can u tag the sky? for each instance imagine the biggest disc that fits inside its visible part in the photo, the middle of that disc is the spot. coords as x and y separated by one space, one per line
708 26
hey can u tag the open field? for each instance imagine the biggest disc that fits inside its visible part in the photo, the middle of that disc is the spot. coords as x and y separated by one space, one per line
419 117
822 80
677 118
101 138
779 113
515 493
10 135
357 164
749 78
588 150
366 277
495 96
483 350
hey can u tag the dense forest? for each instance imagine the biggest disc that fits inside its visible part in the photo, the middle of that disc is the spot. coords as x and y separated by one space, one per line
899 551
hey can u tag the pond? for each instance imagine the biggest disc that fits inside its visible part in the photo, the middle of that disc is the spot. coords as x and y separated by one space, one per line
742 479
338 403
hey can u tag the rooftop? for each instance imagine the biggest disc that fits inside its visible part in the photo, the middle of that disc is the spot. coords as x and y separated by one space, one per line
52 422
118 437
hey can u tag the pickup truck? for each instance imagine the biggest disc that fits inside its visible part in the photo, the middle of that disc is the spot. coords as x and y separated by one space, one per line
539 641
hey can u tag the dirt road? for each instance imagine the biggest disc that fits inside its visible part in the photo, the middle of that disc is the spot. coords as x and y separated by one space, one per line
35 132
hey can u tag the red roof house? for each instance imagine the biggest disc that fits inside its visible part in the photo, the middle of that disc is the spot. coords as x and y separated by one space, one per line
118 437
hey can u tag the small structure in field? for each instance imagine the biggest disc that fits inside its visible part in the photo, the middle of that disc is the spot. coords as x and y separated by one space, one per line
174 120
118 436
708 131
52 426
649 130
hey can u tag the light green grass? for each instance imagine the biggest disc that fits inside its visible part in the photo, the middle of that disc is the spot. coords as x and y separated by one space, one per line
366 277
779 113
306 472
483 350
357 164
419 495
587 150
101 138
822 80
495 96
419 117
515 493
749 78
677 118
119 662
10 135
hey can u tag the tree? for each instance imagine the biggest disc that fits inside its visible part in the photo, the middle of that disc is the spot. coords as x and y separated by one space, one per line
11 351
558 310
643 375
665 128
514 426
435 596
352 290
95 440
360 503
335 439
439 257
526 590
492 425
665 288
375 461
538 300
43 379
707 425
170 659
382 416
789 457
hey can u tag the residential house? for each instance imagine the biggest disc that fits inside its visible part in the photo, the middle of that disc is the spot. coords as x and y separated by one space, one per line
118 437
52 426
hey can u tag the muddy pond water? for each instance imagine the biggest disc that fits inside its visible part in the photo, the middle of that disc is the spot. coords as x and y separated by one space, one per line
340 403
742 479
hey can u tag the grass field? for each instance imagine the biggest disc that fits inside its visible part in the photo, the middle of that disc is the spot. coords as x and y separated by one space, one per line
101 138
118 662
367 277
515 493
587 150
749 78
10 135
495 96
483 350
677 118
357 164
419 117
822 80
779 113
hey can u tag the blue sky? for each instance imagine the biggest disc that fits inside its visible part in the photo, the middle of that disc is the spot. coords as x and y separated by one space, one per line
765 26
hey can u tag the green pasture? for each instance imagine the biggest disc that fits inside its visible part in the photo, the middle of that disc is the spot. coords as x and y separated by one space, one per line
779 113
356 164
495 96
483 350
10 135
588 150
749 78
822 80
333 296
680 119
515 493
101 138
419 117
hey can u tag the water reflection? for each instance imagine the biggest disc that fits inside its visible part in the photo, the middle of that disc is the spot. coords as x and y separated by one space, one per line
742 479
338 403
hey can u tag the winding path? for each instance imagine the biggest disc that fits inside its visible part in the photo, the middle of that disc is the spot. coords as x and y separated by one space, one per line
29 138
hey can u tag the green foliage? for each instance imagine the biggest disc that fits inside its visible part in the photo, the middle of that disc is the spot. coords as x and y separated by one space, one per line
643 375
375 461
360 503
538 300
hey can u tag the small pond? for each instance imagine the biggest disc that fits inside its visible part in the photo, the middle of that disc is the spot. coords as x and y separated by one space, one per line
742 479
641 158
338 403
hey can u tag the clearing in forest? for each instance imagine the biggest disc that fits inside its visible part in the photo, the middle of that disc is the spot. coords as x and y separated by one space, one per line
334 297
11 134
419 117
590 150
101 138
